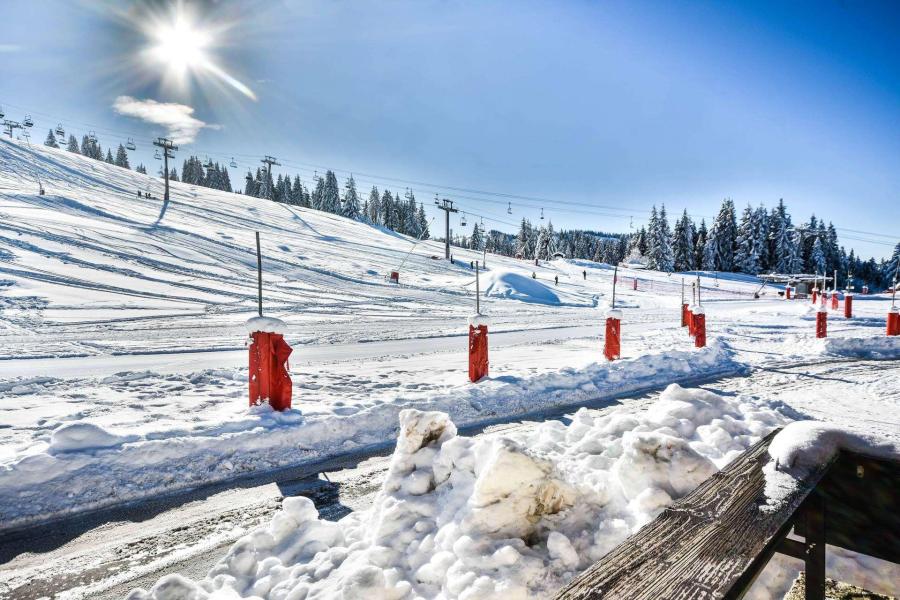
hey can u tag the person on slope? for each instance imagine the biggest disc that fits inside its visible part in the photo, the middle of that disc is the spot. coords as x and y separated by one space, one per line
556 280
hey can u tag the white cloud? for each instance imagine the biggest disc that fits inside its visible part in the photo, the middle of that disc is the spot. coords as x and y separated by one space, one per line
10 48
178 119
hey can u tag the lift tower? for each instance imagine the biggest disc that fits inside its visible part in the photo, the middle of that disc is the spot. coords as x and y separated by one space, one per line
446 206
167 146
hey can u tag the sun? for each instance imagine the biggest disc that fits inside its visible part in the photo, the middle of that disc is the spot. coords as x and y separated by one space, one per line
182 49
181 45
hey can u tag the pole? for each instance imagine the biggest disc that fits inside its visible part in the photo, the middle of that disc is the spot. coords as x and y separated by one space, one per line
269 161
166 145
446 206
258 275
834 283
477 292
698 290
615 279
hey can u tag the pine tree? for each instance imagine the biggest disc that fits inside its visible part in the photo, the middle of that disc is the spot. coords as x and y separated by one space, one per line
522 239
173 175
318 194
747 255
683 243
122 157
761 236
700 244
422 223
652 239
351 206
711 251
374 203
297 195
331 198
817 257
387 210
891 270
542 247
249 186
109 157
226 180
724 232
73 144
477 240
141 169
51 140
665 260
409 213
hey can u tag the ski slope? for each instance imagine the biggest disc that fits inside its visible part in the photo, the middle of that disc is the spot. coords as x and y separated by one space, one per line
123 345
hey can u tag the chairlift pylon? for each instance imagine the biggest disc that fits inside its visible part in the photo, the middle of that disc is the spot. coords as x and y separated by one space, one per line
542 214
27 122
130 144
60 131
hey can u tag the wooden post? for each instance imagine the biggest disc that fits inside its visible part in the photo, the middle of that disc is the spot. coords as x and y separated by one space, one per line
815 547
477 292
258 275
615 279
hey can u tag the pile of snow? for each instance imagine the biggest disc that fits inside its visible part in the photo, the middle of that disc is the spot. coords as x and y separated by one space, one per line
266 324
509 517
156 462
507 284
82 436
803 446
882 347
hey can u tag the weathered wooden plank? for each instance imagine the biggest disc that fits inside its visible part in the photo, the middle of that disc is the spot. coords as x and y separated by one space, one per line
702 546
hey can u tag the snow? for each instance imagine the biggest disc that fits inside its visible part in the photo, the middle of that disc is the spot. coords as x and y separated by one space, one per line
81 437
266 324
479 320
859 347
507 284
506 517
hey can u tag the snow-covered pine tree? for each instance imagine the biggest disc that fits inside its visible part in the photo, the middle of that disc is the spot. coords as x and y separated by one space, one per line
423 223
683 243
122 157
51 140
700 244
794 259
832 248
747 255
891 271
249 186
374 203
351 206
817 257
477 239
173 175
331 198
317 197
652 238
542 246
297 192
761 229
226 180
665 260
141 169
711 251
388 214
522 239
73 144
409 214
109 157
810 231
725 229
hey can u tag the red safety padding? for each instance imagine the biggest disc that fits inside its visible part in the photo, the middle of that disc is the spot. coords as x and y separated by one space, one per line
848 306
478 352
893 323
821 324
269 378
700 330
834 301
612 343
684 315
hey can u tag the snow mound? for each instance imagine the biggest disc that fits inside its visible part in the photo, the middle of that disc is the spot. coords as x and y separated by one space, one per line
857 347
513 516
83 436
507 284
266 324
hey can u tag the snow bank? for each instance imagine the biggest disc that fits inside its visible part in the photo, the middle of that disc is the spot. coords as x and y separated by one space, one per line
156 462
511 517
82 436
882 347
507 284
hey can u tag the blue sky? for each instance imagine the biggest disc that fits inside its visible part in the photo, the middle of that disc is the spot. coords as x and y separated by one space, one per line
592 110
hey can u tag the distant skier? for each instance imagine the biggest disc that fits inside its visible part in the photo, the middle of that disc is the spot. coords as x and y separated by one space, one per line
556 280
139 193
533 275
585 275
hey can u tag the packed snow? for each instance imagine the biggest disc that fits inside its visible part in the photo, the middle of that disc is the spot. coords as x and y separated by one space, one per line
507 517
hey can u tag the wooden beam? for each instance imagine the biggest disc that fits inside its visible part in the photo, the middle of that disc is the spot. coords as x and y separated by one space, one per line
711 544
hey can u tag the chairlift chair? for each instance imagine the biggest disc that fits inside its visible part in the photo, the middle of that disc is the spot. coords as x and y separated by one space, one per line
130 144
209 163
60 131
92 137
509 208
462 220
2 114
156 155
28 122
542 214
232 164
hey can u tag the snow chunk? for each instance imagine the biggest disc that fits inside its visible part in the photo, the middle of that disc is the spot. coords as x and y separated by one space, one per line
266 324
83 436
478 320
868 347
